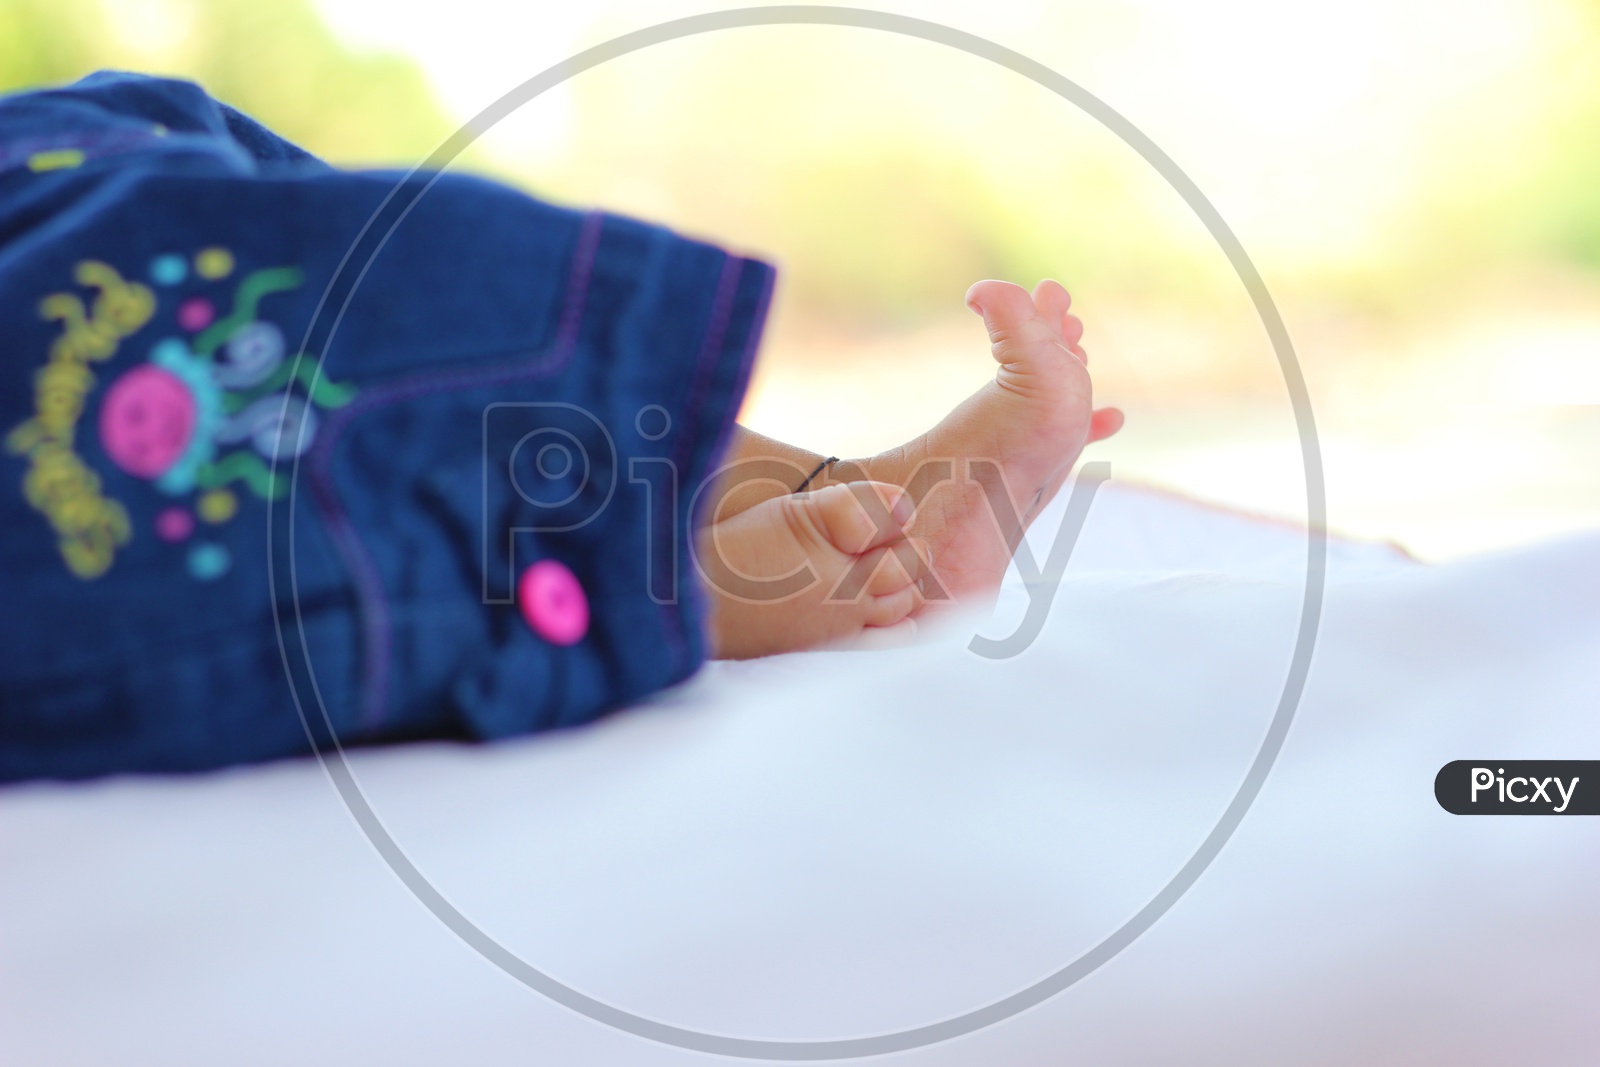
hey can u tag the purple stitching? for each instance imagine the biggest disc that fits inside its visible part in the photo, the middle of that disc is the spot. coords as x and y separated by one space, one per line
741 382
716 330
372 603
721 311
747 359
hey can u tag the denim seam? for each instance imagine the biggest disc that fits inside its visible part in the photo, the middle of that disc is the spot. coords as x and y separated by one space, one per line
716 330
372 601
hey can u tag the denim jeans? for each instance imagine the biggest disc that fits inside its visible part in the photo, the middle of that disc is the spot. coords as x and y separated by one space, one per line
296 454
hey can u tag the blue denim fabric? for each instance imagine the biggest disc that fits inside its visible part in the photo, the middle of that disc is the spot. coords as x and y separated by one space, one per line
163 251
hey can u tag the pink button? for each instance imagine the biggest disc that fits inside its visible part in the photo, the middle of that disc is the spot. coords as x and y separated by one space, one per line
553 603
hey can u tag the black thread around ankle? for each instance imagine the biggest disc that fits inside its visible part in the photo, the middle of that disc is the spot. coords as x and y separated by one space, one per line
820 468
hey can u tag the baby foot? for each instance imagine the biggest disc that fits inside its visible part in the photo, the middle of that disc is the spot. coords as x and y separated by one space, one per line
806 569
1020 434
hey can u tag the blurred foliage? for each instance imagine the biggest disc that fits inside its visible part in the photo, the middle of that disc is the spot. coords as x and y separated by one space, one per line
876 179
272 59
886 175
1515 178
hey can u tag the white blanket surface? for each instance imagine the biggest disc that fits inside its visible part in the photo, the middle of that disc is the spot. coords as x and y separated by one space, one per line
831 845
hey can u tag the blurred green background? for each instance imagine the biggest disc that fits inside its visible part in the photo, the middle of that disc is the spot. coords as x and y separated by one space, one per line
275 60
1419 182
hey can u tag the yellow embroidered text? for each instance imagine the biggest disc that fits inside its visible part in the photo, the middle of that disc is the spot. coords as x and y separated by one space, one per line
88 525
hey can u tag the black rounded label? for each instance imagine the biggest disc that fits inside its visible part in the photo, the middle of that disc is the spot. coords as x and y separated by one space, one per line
1519 787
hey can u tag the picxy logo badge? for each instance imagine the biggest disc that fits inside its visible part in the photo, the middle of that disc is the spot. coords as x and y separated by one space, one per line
1519 787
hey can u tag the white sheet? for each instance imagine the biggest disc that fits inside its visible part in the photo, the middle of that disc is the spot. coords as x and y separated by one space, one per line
837 844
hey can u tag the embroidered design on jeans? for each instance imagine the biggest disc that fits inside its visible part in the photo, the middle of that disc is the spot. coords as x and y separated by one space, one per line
202 414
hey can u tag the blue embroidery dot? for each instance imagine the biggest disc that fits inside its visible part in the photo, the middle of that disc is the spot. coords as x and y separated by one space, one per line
208 561
168 270
169 352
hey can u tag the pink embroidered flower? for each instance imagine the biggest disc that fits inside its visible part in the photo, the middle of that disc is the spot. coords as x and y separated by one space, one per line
146 421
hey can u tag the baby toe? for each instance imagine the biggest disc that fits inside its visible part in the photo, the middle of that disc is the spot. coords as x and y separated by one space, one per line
855 517
1052 300
1104 423
1019 333
895 635
896 566
891 608
1006 300
1054 303
1072 330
